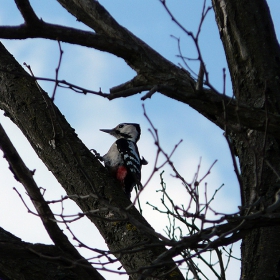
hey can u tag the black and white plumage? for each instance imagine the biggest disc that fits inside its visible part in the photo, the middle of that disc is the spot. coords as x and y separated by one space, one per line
123 159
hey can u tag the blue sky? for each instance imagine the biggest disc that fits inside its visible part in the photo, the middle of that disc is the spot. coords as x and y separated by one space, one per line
87 114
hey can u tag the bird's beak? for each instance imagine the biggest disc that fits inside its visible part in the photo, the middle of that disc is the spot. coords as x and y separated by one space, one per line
110 131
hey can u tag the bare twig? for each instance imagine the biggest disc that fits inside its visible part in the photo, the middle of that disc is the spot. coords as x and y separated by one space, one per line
57 70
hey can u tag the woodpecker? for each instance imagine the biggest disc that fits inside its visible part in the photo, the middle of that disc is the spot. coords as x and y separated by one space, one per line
123 159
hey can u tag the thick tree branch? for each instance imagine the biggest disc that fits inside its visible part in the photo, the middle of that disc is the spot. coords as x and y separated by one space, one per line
27 12
95 16
68 35
16 257
250 44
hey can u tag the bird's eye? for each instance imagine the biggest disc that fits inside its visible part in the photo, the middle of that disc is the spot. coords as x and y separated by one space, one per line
121 126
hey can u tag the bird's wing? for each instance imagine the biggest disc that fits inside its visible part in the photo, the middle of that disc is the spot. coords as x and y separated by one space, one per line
130 155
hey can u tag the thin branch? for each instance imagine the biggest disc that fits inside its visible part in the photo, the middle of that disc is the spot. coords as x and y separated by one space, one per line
57 70
199 84
221 263
128 92
27 12
208 172
150 93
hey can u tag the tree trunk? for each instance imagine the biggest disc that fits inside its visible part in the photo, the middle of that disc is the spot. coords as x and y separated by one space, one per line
253 56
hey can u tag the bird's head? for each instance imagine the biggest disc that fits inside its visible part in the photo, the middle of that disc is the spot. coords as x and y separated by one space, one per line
129 131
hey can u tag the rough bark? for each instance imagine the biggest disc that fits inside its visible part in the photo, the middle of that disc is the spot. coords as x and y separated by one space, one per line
22 260
253 56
